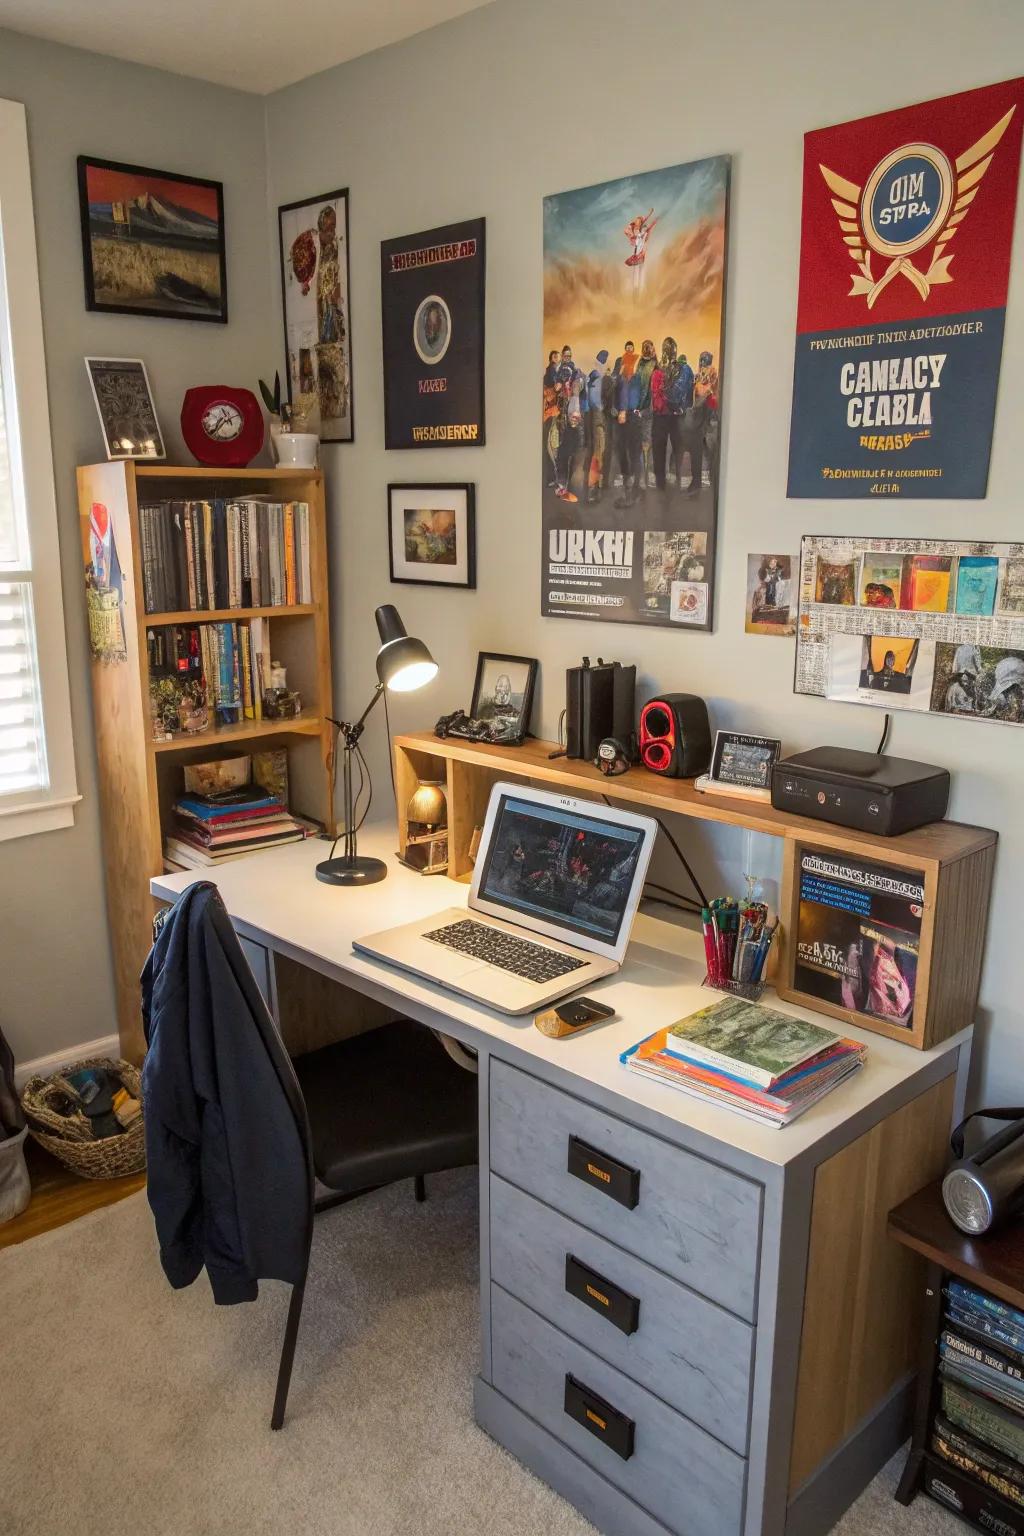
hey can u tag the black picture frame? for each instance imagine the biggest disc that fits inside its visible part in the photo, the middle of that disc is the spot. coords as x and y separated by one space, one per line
769 746
400 495
442 271
182 309
479 705
340 195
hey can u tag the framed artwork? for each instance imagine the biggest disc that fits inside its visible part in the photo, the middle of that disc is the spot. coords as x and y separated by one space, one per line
432 534
503 693
152 242
432 313
315 294
124 404
770 608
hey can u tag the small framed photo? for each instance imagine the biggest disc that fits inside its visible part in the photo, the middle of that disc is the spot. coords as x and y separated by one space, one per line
503 694
124 403
745 761
432 534
152 242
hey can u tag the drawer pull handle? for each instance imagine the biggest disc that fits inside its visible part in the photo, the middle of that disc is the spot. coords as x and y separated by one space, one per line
604 1422
604 1173
605 1297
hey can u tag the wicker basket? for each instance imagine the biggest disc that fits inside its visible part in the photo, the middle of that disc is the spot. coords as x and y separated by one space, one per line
68 1134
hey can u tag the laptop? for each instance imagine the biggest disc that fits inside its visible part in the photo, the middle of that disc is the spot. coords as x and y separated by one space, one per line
555 889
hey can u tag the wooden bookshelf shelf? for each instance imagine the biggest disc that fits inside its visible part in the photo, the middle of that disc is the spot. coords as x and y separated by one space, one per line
244 730
231 615
139 778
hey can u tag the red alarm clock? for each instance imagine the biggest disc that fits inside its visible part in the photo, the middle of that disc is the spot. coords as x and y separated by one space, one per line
222 427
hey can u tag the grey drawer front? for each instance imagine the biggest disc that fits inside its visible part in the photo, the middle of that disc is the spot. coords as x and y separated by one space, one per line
259 964
677 1473
694 1220
685 1350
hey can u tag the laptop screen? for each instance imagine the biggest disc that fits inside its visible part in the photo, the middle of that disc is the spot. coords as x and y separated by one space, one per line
564 867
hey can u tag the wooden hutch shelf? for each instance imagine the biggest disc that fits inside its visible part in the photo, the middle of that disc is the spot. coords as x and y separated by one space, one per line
955 861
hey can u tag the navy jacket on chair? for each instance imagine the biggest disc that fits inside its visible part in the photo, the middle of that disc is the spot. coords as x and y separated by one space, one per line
227 1141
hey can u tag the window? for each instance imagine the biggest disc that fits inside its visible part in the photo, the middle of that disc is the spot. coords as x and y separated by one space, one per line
37 769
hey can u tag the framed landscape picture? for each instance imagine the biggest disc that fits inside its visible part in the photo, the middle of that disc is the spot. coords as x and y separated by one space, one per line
432 534
315 291
152 242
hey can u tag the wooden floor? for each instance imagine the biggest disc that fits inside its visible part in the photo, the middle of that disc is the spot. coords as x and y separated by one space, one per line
59 1196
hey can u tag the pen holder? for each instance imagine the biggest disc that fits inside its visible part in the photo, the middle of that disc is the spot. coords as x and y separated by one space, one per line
750 991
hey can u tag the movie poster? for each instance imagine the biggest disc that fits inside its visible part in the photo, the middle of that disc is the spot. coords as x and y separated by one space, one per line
634 275
904 269
432 306
859 935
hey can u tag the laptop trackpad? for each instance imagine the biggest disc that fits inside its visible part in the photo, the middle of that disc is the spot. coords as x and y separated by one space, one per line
443 964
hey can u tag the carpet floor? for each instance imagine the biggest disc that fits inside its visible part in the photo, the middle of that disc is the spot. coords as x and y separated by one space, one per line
126 1407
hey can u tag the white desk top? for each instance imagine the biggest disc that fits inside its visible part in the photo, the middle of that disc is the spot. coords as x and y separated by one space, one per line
275 896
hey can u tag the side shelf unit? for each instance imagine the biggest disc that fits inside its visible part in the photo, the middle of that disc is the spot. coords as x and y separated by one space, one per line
139 778
955 862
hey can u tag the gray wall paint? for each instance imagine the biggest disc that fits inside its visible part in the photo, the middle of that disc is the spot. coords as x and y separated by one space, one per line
55 978
490 112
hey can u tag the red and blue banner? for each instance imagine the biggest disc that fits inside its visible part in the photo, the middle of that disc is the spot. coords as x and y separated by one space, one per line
904 268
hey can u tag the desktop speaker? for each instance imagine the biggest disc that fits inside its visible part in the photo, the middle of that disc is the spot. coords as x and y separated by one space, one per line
675 736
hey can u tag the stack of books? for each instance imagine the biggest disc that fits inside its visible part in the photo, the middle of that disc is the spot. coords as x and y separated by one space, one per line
757 1061
224 554
227 811
226 665
980 1426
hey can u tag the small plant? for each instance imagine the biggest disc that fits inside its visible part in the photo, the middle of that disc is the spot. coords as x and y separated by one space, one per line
273 402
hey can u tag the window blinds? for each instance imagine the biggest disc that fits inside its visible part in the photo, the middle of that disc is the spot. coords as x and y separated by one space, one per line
22 747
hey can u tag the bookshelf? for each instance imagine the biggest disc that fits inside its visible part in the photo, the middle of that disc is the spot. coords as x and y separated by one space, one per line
139 777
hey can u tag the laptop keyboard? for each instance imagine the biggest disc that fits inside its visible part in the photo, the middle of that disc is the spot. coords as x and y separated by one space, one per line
534 962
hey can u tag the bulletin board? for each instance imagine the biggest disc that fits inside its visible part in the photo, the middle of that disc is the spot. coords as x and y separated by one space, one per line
929 625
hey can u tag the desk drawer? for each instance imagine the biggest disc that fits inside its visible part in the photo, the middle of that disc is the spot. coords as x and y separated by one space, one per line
684 1349
694 1220
672 1469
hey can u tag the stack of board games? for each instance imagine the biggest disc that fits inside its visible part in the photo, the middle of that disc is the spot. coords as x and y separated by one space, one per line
768 1065
978 1427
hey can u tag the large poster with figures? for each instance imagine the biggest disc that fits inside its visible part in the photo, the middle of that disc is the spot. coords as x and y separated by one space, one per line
432 313
630 398
315 282
935 625
904 269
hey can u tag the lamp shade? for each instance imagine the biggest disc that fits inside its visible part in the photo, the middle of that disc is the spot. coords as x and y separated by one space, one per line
428 805
403 663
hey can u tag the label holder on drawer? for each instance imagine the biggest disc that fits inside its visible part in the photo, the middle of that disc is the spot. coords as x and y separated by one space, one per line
604 1422
604 1173
605 1297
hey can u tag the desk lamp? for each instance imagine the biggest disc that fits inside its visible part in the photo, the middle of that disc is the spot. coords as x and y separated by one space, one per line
403 664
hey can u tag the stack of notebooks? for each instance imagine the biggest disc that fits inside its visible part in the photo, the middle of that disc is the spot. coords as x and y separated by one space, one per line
980 1426
224 554
210 829
761 1063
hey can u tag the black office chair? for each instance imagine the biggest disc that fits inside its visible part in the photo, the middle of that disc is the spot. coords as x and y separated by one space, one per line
387 1105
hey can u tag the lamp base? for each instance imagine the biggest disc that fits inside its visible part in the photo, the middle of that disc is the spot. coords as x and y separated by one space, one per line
356 871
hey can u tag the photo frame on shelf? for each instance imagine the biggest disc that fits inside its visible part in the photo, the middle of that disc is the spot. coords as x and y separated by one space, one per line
152 242
432 534
124 404
315 288
503 693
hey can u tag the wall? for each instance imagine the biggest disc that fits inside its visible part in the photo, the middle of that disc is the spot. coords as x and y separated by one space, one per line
55 976
487 114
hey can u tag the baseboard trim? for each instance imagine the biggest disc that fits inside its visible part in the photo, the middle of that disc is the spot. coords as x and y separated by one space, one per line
559 1467
828 1494
42 1066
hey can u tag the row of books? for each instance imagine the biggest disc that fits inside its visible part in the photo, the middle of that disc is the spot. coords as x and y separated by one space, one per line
231 807
200 555
979 1427
224 665
767 1065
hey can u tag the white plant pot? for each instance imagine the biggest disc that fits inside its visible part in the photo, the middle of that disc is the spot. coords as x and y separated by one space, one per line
295 450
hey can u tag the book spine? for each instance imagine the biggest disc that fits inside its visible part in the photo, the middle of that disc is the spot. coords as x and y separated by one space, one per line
234 557
263 525
289 553
305 580
190 560
702 1055
982 1357
246 671
220 554
148 563
255 654
981 1301
256 590
206 514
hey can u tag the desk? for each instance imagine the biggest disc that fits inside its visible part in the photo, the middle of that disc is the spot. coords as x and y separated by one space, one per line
770 1374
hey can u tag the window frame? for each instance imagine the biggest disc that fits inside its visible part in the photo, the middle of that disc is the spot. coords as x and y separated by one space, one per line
31 456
